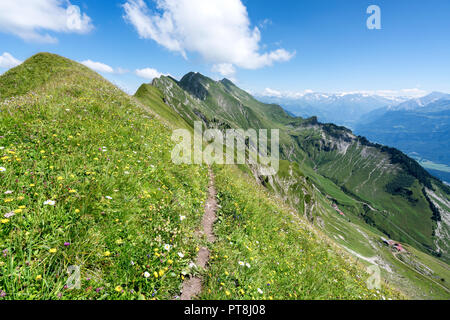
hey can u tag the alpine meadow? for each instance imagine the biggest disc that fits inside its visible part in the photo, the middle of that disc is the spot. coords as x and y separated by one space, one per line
126 183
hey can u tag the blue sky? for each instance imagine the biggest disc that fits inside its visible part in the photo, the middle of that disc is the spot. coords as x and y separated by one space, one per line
315 45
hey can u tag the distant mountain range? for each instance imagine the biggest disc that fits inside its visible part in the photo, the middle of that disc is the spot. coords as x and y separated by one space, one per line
418 127
341 109
425 104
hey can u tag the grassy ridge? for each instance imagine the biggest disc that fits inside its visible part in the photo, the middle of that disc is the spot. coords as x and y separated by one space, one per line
115 197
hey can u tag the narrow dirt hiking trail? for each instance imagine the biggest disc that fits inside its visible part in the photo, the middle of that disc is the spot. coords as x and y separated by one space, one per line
192 287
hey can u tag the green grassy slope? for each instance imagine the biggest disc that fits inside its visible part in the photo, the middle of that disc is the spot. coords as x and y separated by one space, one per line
371 174
265 251
305 187
223 105
89 182
105 162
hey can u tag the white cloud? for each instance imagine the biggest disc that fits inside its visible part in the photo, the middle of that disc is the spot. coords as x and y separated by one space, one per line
268 92
266 22
225 69
29 19
7 61
390 94
416 92
218 30
272 93
148 73
98 66
407 93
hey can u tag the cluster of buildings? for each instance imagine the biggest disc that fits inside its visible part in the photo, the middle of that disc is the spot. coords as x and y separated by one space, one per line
393 244
338 210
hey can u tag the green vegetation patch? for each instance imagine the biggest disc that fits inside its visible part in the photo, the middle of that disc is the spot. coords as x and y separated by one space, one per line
88 181
264 251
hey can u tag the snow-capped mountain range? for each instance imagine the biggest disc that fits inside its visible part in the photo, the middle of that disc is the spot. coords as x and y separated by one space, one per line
340 108
422 102
348 109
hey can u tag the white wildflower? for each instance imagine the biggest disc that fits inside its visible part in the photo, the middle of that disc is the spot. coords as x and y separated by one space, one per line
50 203
9 214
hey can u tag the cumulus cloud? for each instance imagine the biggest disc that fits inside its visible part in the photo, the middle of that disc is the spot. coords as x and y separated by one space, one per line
225 69
7 61
218 30
29 19
272 93
407 93
102 67
98 66
148 73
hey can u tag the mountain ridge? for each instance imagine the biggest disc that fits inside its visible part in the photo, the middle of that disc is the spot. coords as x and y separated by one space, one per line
92 184
419 127
90 168
318 177
327 144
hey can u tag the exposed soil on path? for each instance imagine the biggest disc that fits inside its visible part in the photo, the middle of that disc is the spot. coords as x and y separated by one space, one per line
192 287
